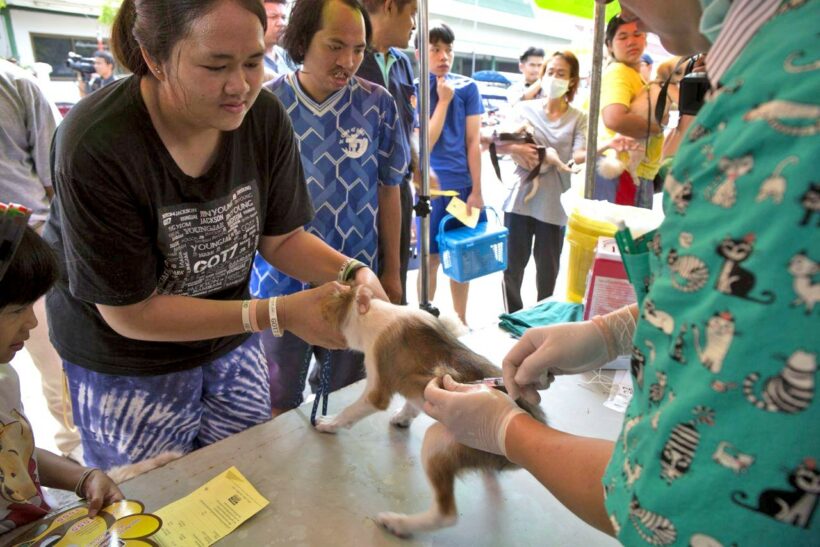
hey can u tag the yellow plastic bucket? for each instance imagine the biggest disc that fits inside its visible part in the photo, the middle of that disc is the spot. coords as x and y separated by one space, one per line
582 235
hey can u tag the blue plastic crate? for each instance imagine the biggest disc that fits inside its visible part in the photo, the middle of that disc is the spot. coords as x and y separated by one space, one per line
467 253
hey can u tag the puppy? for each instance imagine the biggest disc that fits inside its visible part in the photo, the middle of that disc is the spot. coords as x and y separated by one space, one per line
404 348
648 97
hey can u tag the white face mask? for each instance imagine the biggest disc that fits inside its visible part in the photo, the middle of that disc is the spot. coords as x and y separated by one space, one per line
714 13
554 87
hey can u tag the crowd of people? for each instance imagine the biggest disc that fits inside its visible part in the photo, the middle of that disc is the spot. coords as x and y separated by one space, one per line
271 159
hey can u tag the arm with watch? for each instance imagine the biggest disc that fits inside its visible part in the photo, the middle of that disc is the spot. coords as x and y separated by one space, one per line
299 254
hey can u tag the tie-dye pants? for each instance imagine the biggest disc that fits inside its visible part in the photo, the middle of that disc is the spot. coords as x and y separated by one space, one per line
127 419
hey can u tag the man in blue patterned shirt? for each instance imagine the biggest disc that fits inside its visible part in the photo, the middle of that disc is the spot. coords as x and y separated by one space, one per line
354 154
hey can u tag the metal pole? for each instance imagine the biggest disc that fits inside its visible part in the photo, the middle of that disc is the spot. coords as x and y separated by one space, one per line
595 97
475 32
424 156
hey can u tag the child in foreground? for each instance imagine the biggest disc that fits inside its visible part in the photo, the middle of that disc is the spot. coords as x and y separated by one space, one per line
24 468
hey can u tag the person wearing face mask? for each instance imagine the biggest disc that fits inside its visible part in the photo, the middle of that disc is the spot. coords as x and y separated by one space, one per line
719 443
153 314
537 221
620 84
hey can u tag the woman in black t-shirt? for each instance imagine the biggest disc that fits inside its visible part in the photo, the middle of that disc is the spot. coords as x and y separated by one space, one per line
167 183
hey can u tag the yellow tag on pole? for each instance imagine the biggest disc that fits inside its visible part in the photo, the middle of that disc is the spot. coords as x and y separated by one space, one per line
458 209
442 193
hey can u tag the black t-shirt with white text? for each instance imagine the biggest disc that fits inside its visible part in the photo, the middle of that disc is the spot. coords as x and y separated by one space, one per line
127 222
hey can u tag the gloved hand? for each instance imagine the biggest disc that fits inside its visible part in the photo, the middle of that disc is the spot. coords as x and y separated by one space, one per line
543 352
476 415
568 348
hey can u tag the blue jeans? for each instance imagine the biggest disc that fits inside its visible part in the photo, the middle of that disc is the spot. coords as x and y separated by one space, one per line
645 193
127 419
605 190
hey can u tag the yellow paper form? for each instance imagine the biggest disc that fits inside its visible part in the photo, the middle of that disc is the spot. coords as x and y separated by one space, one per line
458 209
209 513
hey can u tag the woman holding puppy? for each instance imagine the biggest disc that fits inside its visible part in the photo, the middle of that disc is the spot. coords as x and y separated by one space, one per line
167 184
620 84
533 209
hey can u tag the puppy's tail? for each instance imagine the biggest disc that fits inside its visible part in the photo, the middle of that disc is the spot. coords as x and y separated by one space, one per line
453 325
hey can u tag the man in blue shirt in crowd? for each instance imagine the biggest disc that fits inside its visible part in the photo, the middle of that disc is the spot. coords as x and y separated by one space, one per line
276 59
354 154
455 149
393 23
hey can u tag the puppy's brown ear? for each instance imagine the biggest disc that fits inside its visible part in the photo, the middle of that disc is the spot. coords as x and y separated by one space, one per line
364 295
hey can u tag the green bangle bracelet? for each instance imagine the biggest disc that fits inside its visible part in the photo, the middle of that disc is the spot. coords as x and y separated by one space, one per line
352 268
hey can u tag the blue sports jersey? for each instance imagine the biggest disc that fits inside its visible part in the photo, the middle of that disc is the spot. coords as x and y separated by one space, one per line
449 156
400 84
349 145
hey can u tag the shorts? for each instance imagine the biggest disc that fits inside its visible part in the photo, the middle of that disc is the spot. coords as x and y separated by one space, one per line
128 419
439 211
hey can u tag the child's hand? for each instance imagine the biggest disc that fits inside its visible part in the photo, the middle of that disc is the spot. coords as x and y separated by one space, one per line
100 491
445 89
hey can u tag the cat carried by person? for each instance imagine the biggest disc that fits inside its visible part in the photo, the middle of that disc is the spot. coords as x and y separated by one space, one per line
404 348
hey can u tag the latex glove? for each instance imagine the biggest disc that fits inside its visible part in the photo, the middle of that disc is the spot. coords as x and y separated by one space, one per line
100 491
568 348
476 415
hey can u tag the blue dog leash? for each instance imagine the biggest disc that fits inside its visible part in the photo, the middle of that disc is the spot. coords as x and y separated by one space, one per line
324 384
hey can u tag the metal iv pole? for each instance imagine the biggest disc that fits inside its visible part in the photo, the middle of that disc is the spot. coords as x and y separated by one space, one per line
422 207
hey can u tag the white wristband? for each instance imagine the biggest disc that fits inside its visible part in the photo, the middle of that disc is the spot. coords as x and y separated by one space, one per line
274 317
246 316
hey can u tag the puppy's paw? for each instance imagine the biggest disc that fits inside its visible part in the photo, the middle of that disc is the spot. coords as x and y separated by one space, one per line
395 523
402 419
327 424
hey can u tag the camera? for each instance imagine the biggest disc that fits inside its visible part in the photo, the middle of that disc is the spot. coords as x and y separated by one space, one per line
693 89
83 65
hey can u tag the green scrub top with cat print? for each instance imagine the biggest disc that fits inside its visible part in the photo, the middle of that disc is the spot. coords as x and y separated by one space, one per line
721 442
